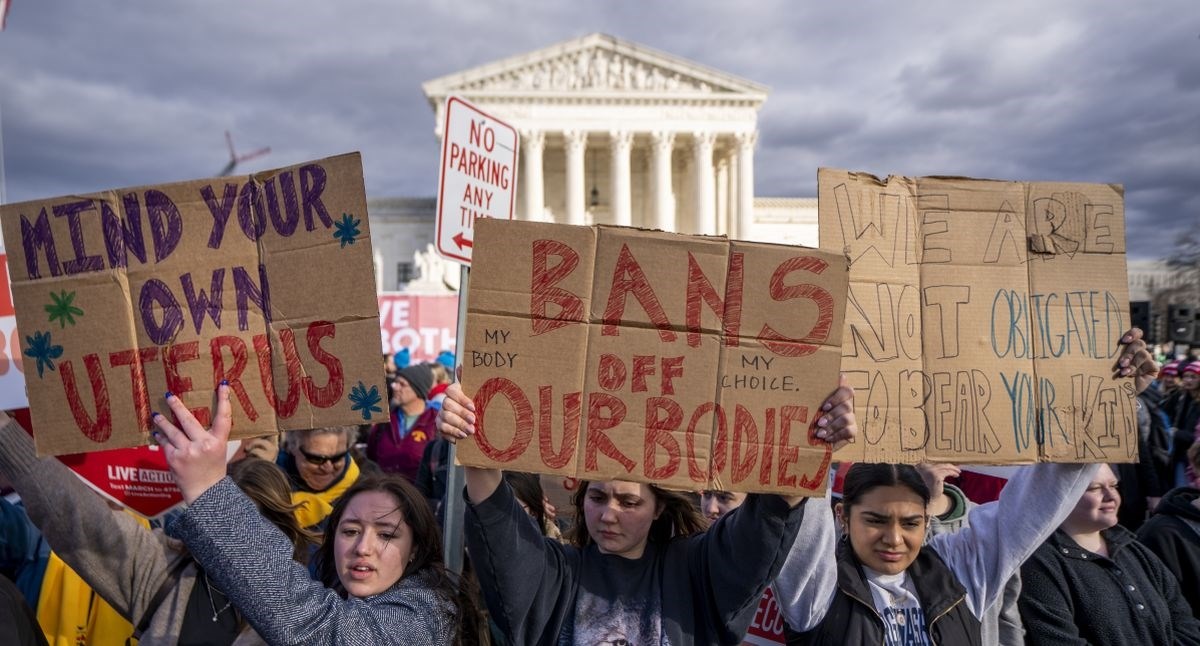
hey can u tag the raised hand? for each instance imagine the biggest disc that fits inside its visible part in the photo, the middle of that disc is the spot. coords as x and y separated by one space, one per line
195 454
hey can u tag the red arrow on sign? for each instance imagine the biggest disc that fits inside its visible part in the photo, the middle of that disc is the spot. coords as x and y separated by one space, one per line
461 240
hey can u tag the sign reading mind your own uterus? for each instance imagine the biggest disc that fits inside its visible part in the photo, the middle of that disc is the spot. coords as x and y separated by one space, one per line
265 281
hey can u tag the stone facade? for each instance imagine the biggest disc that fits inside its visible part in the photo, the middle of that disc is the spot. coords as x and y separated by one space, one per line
611 132
614 132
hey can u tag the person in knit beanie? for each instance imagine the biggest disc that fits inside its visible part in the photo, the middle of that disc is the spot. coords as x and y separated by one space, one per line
397 446
446 358
402 358
419 378
1168 377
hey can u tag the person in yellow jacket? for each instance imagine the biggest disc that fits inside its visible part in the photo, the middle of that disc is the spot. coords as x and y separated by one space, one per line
71 613
68 610
320 467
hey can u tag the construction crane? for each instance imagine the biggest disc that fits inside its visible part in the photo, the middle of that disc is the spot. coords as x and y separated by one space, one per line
235 159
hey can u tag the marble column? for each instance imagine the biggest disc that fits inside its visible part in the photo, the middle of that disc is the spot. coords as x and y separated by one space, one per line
731 195
745 183
664 200
724 223
622 207
533 142
705 222
576 146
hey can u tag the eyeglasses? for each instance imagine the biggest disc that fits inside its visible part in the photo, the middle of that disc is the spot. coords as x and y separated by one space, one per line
320 460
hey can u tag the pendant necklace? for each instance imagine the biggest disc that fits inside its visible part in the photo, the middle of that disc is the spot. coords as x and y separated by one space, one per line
896 611
211 603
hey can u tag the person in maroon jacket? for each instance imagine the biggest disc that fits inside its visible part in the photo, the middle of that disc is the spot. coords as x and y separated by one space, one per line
397 446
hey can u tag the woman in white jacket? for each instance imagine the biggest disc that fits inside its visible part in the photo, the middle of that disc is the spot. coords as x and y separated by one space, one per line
890 589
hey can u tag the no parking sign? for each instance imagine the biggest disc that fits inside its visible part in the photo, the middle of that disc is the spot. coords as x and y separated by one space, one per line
478 176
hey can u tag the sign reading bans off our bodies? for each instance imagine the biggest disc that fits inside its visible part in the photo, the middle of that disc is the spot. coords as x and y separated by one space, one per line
983 318
264 280
692 362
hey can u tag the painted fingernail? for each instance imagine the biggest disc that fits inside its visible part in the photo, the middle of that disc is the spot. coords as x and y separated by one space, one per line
826 406
168 395
155 415
824 421
821 434
224 382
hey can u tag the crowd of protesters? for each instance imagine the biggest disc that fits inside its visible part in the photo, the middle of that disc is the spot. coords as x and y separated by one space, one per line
333 536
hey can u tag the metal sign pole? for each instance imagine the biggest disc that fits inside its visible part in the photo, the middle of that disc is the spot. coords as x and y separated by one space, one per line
452 504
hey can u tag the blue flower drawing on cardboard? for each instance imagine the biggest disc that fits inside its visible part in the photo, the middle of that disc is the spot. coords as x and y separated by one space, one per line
365 400
62 308
346 229
43 350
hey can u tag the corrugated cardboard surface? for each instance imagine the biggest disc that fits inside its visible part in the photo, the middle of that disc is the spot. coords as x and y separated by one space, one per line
983 318
142 327
691 362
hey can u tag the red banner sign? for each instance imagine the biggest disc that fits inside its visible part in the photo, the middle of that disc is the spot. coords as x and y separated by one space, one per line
425 325
136 478
767 627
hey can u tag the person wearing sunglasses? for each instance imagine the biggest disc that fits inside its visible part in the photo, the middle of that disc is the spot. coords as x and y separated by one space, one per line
319 465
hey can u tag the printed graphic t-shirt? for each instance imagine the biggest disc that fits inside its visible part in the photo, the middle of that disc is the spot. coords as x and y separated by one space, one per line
618 603
896 601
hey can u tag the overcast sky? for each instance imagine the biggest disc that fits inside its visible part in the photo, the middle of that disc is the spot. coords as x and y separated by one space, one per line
99 95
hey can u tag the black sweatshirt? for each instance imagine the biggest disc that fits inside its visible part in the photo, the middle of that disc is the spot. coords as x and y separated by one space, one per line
1072 596
1173 533
702 589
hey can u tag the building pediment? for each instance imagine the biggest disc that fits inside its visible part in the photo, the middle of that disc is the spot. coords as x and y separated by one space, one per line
597 65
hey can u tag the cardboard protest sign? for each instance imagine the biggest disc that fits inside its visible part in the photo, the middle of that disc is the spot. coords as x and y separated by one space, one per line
264 280
692 362
983 318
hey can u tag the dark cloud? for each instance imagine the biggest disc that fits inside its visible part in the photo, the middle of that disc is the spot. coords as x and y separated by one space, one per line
101 95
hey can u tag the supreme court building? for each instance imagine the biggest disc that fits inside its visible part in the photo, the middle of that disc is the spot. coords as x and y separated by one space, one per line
612 132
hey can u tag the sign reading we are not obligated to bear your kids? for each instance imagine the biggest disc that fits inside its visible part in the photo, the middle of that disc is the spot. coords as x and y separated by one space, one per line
265 281
693 362
983 319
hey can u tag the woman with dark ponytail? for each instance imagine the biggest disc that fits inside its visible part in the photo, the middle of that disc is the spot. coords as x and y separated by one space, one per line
894 588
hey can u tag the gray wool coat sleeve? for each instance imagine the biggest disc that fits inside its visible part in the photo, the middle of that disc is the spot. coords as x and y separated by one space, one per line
251 560
124 562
